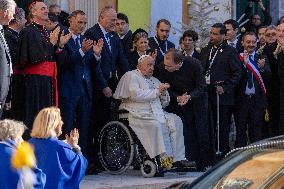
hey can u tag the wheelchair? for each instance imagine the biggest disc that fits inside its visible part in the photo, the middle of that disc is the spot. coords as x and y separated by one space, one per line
120 148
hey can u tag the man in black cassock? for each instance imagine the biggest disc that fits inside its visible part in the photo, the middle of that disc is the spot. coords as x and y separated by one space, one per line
188 88
37 54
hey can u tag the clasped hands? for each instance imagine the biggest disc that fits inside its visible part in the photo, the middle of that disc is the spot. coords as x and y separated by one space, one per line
260 62
183 99
163 88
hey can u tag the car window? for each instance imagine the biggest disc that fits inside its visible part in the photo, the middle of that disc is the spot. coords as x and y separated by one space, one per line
254 172
248 169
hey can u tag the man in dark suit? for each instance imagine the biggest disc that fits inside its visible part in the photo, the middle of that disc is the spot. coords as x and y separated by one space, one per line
279 53
273 85
125 35
232 27
187 92
160 42
75 88
7 10
251 92
112 61
222 74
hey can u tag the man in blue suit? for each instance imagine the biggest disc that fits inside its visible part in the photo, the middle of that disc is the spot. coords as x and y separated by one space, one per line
113 64
75 88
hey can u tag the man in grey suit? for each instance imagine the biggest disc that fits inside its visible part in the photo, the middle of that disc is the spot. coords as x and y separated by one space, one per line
7 10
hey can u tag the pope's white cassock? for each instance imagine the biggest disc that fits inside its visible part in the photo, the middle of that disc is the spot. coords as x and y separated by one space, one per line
158 131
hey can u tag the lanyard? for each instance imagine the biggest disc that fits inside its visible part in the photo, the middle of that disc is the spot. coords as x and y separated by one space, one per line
160 49
108 41
211 59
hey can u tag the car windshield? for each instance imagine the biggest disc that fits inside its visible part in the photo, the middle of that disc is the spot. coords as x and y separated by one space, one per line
248 169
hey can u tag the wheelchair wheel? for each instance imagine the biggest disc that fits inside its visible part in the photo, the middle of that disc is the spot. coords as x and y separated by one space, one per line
148 169
116 147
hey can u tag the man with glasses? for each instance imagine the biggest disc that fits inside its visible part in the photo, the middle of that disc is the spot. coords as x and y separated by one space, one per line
273 84
222 74
160 41
279 52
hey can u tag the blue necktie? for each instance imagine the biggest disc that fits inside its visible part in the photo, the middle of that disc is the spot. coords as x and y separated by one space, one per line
77 42
250 76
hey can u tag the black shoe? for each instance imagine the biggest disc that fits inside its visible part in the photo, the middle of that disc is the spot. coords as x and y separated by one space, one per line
184 164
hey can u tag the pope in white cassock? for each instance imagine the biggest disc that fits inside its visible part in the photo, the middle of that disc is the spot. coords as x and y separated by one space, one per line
144 96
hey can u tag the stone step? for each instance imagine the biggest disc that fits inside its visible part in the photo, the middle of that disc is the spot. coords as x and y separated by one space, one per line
132 179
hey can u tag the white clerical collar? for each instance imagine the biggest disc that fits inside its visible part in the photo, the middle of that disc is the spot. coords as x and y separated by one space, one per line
103 30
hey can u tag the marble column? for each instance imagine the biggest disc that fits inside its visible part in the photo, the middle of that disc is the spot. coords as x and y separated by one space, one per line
90 7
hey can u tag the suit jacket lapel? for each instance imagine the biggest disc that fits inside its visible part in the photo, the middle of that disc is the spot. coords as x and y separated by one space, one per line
101 35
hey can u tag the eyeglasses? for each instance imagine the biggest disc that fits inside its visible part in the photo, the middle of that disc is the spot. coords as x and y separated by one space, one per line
270 34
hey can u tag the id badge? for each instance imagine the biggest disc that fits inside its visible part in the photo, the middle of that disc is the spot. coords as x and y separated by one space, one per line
207 79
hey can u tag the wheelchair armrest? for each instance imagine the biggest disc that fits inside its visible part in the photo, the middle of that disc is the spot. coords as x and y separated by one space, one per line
122 114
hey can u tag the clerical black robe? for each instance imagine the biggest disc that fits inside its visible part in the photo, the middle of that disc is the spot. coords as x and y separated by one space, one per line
189 79
36 61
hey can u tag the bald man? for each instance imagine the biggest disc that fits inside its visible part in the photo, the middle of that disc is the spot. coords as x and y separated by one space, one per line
113 63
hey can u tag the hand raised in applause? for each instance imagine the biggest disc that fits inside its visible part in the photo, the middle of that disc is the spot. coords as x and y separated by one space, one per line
64 39
73 139
153 54
53 37
86 45
98 46
261 63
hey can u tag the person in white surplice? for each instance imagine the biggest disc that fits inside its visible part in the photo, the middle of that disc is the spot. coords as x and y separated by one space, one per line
144 96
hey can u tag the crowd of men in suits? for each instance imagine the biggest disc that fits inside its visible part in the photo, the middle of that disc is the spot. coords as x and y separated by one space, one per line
234 79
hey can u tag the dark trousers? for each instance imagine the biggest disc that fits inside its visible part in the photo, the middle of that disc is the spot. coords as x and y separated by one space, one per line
104 110
75 113
196 132
224 126
273 98
249 118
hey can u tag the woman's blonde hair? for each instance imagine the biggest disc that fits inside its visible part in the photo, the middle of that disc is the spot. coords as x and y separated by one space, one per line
11 129
46 123
136 38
